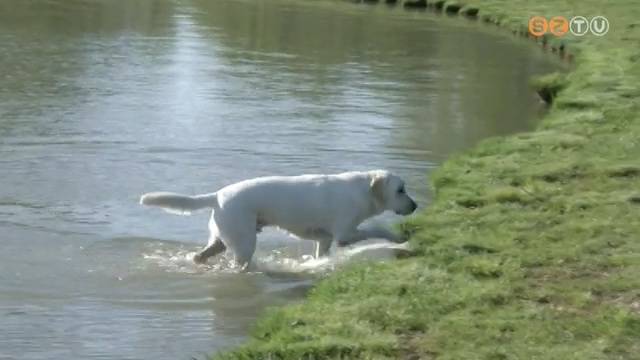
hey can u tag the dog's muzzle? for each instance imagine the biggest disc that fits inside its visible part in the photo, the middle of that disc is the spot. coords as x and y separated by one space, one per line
409 210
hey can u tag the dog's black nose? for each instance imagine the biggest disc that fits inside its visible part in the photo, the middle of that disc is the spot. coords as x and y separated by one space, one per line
414 206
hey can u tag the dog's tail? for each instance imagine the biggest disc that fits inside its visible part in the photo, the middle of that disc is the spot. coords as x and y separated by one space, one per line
179 204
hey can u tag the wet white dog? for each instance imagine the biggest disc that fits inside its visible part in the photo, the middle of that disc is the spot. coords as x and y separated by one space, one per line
324 208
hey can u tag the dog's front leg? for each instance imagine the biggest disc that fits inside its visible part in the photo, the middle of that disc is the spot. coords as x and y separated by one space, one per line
347 239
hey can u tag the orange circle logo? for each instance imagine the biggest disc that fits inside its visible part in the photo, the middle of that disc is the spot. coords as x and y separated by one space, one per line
559 25
538 26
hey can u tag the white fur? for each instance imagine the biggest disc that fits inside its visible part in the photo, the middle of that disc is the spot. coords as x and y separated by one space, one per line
324 208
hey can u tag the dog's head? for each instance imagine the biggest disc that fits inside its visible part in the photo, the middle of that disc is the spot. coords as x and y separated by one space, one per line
389 193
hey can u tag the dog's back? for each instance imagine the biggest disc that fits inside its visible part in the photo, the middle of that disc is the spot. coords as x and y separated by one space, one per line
298 203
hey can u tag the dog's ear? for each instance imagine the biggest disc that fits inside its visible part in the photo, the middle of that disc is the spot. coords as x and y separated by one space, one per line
377 185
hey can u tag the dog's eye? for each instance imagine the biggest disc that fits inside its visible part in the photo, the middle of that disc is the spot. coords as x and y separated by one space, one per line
401 190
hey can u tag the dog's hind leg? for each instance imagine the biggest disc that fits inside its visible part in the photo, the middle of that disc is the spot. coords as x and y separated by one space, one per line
243 245
236 227
212 249
322 248
215 245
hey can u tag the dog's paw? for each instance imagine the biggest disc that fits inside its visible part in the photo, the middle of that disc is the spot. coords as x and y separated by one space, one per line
198 259
401 239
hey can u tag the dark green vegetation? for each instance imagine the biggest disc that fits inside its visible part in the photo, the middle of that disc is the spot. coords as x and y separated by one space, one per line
531 249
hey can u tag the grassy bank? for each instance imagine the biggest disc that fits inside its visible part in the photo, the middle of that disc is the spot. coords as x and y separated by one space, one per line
531 249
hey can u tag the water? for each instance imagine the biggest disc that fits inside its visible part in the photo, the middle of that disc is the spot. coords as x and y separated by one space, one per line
101 101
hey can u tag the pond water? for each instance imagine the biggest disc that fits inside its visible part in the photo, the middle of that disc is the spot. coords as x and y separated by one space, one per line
101 101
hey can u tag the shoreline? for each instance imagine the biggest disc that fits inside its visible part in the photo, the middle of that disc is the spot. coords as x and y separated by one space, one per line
529 248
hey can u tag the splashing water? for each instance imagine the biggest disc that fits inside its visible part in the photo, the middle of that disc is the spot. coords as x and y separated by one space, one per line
273 262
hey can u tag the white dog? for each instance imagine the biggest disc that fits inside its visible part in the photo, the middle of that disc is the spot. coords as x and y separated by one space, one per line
324 208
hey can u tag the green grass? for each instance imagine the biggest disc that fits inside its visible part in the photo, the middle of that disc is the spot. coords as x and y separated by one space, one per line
531 249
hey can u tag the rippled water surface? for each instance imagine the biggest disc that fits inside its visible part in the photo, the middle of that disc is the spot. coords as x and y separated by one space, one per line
101 101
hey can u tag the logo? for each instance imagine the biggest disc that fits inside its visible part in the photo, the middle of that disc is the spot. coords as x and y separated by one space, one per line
579 25
538 26
559 26
599 25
